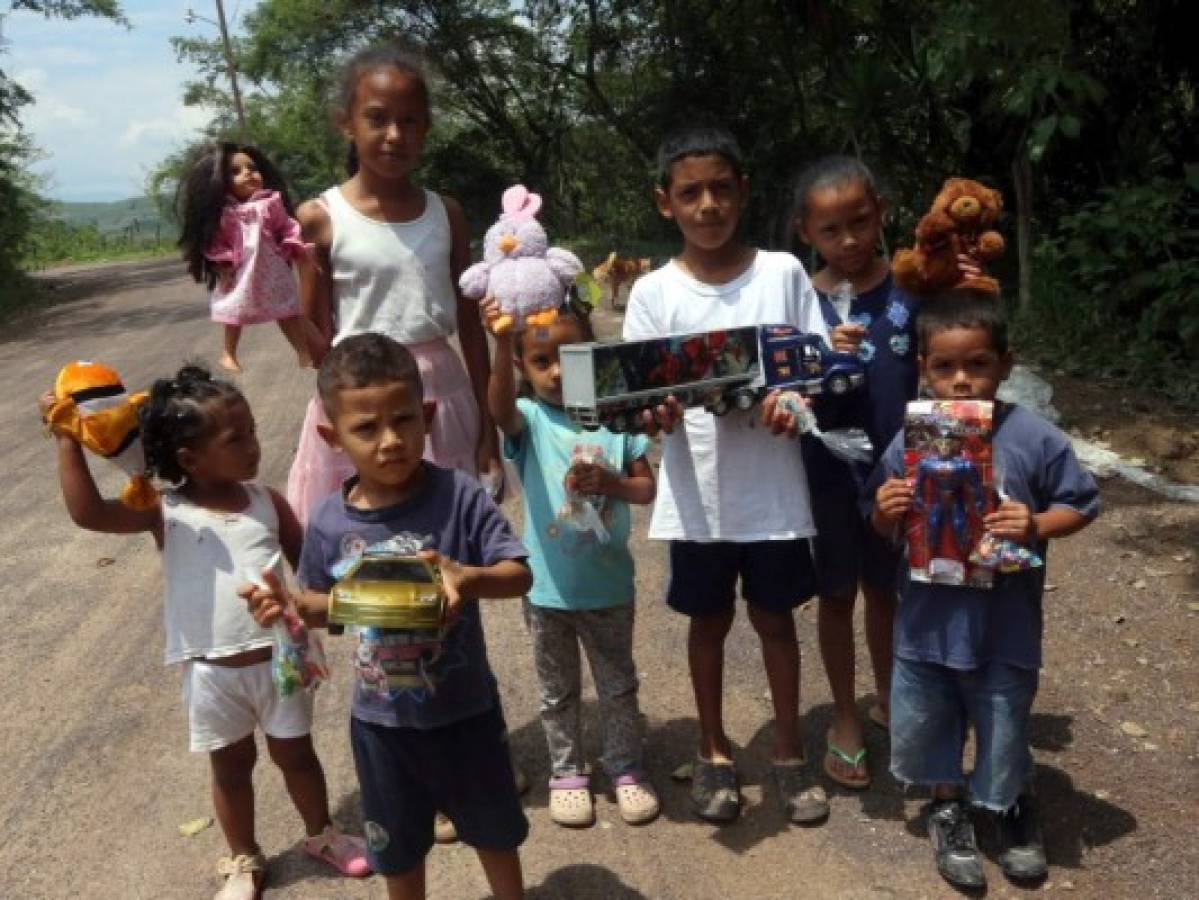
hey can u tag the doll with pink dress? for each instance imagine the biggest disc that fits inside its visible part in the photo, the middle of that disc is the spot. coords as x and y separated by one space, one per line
240 239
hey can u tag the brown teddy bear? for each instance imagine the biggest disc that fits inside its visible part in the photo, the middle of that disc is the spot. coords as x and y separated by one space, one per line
959 223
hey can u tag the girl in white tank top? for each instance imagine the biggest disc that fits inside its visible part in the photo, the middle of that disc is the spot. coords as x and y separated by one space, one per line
391 253
214 526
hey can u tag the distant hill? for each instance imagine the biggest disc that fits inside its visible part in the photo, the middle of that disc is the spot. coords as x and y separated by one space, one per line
110 218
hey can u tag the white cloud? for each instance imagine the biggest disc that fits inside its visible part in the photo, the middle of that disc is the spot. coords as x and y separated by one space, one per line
107 98
48 109
181 123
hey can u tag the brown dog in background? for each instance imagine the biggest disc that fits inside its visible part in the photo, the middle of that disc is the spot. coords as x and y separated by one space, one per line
617 272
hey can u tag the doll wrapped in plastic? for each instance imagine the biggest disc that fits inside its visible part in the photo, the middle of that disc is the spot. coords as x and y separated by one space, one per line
584 512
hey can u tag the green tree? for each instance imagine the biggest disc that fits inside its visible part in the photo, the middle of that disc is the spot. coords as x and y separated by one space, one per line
18 198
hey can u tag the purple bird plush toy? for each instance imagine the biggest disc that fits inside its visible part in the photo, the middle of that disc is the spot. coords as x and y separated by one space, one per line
527 279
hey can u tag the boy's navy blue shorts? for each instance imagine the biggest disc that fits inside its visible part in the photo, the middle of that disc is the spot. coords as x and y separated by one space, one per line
408 774
846 548
776 576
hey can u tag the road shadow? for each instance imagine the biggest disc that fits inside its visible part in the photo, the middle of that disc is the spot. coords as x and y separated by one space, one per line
77 302
884 798
1073 821
583 881
1051 732
293 865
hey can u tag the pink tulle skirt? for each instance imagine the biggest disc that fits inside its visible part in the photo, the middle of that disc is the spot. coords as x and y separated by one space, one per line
453 440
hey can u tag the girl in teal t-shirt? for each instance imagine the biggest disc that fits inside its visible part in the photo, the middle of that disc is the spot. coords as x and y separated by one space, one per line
577 487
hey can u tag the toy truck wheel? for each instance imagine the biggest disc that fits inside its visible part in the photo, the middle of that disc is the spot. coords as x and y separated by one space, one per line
744 400
838 385
718 407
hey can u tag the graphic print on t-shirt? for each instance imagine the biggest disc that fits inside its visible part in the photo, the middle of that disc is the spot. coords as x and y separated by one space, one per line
390 663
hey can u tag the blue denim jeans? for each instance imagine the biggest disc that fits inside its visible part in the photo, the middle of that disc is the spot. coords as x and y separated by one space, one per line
931 705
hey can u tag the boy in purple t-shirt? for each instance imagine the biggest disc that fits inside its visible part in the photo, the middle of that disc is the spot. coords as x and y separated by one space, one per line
966 655
434 738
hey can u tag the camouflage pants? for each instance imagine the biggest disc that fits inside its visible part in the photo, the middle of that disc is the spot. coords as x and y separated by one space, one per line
606 636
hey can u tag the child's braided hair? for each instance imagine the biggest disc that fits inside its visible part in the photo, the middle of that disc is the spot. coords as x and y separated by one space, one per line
178 414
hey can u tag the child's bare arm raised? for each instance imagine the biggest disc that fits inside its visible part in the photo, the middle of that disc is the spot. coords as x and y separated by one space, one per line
501 386
87 508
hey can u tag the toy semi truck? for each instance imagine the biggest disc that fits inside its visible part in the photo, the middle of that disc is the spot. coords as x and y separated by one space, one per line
611 383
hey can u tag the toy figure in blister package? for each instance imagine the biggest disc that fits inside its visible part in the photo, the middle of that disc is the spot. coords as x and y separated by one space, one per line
584 512
947 456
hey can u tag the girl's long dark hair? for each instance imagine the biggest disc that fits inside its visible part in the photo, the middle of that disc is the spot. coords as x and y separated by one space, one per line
202 194
379 56
178 414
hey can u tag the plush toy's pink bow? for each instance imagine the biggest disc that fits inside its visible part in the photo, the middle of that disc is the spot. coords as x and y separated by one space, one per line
519 203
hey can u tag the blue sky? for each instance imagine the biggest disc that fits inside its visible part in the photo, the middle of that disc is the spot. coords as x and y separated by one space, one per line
107 100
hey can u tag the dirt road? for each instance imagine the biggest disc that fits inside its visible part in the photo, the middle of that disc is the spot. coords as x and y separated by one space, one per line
96 775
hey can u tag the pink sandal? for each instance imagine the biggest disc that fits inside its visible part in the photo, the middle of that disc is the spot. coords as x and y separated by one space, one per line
344 853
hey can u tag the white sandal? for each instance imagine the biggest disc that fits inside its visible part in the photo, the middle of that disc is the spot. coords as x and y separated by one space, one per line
636 799
244 874
570 801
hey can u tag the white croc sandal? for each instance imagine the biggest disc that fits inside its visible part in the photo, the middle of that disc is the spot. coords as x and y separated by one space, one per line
571 803
636 799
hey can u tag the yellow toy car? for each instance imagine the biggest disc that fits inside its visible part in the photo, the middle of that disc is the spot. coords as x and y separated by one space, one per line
389 591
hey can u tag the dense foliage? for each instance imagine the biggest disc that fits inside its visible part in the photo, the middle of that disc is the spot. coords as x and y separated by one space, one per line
20 206
1083 112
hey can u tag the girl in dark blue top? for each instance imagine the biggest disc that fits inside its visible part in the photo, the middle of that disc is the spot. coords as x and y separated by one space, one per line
839 215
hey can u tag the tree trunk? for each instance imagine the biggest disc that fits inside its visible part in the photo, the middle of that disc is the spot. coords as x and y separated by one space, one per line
1022 177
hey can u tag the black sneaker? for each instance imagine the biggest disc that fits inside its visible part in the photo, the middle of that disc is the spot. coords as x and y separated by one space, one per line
958 859
1021 847
715 791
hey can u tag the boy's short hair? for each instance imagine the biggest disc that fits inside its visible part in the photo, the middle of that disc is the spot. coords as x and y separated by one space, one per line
697 140
962 308
365 360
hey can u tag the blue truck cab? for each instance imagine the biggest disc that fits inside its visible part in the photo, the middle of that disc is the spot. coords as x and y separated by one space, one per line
794 360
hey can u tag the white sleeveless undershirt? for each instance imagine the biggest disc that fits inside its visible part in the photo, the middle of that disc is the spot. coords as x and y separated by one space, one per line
391 277
205 556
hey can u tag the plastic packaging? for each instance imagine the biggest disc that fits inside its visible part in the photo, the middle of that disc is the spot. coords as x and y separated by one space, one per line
948 463
298 660
1003 555
842 298
850 444
580 511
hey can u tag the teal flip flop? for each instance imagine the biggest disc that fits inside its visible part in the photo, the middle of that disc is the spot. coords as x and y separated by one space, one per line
855 760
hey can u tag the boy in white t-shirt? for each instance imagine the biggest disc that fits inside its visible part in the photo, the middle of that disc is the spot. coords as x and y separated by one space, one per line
733 499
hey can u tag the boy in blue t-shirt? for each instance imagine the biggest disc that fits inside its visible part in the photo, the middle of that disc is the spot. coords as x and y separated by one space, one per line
426 726
967 655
